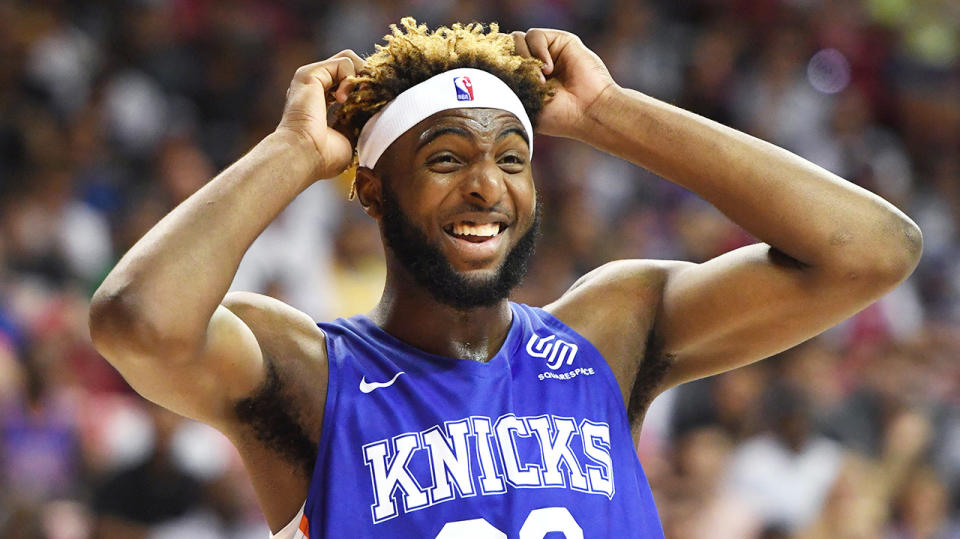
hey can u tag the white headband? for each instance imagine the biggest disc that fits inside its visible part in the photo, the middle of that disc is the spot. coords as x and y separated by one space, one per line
454 89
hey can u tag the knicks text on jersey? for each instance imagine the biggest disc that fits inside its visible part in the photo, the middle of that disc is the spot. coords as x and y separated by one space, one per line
417 445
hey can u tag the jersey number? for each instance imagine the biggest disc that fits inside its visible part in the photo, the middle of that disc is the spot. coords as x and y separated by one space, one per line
538 523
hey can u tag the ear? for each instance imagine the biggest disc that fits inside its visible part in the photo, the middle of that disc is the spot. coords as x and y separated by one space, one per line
370 192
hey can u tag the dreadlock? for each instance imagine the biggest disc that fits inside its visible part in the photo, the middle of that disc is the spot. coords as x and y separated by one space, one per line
413 54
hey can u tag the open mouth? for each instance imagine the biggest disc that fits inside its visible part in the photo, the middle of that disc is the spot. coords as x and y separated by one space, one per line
474 232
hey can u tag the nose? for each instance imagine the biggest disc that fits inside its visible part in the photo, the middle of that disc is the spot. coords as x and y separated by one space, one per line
485 183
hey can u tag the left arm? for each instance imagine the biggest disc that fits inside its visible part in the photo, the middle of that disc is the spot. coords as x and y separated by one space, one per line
830 247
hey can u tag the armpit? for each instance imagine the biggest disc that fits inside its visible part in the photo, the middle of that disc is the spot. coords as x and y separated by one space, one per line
650 375
274 419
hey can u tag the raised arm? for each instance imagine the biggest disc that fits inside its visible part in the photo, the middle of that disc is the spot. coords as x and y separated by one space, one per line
158 317
830 247
161 318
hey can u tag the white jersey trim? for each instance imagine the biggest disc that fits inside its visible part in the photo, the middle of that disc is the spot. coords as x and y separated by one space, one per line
292 530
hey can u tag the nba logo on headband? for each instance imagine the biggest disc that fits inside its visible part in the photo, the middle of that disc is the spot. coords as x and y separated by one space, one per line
464 88
431 96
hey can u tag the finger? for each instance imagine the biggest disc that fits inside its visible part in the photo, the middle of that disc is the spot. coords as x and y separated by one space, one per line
540 48
346 86
340 68
520 43
520 47
307 93
328 73
343 91
354 57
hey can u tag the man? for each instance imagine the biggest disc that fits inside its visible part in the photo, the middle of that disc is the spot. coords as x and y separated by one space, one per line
448 411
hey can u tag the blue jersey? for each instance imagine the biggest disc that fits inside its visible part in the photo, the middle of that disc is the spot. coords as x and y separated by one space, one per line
418 445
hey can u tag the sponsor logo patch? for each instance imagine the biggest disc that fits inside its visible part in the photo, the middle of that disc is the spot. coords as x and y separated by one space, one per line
367 387
555 351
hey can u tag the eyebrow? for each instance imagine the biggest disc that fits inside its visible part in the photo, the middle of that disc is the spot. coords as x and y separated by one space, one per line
514 129
433 134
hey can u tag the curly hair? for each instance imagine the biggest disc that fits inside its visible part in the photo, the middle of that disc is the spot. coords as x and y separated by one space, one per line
413 54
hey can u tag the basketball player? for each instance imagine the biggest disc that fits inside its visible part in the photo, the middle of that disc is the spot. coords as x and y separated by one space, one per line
448 411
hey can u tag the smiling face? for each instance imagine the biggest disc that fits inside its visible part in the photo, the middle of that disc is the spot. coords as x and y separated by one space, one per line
457 204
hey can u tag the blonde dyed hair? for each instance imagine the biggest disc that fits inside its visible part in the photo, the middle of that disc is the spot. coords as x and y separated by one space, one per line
413 54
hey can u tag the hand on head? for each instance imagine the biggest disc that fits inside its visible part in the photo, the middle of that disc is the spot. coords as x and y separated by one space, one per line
577 77
305 112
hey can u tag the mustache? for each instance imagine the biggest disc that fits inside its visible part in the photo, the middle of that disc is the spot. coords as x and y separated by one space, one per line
472 207
430 268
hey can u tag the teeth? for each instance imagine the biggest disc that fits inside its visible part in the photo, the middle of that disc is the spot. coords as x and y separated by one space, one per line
464 229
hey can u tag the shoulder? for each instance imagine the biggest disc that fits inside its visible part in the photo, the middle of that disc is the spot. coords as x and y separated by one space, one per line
276 324
294 349
277 427
623 289
615 307
630 273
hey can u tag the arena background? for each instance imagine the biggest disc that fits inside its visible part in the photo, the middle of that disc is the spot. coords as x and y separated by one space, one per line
112 112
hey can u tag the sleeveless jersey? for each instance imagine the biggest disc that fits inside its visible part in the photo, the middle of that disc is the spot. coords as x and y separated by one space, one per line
418 445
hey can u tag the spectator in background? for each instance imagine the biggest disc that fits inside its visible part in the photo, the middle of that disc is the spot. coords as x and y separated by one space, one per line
862 499
109 113
922 509
699 505
178 488
153 492
40 459
292 257
784 474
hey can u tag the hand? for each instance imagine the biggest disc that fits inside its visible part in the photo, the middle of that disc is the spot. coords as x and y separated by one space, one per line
577 75
305 113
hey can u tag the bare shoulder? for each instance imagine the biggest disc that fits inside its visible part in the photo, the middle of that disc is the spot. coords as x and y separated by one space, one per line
627 275
277 427
615 307
622 290
277 324
294 352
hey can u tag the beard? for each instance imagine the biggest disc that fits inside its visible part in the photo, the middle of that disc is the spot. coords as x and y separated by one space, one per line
431 269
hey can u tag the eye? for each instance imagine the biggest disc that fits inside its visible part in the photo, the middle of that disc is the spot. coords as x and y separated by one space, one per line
512 160
443 161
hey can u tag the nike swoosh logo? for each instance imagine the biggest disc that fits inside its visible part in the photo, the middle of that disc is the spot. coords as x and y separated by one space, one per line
367 387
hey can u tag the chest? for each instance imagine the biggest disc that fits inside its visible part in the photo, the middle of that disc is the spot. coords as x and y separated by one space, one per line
547 424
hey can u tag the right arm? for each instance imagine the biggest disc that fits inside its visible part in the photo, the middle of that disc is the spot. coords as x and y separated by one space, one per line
160 317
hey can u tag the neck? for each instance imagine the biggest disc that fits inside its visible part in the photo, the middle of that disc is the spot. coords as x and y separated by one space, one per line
410 313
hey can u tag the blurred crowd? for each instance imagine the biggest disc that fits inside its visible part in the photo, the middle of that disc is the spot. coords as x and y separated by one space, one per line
113 111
